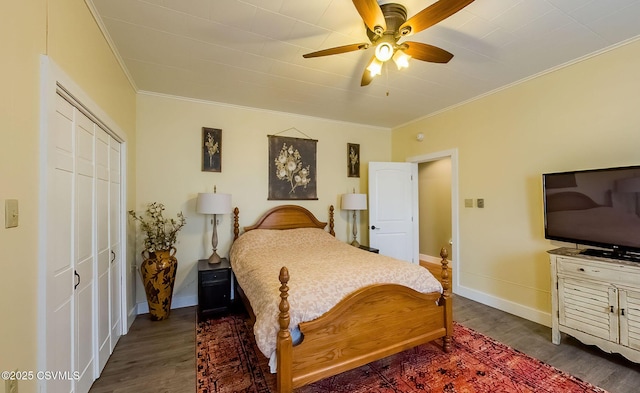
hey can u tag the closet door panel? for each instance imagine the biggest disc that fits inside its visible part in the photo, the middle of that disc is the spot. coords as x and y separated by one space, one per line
59 247
115 266
103 246
85 250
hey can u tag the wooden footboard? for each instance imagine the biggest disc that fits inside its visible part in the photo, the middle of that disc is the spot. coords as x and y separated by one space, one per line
369 324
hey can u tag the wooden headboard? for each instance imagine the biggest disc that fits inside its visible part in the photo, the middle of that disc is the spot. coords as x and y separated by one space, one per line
288 217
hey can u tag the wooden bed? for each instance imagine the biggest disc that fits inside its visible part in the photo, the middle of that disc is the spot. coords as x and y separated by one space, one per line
369 324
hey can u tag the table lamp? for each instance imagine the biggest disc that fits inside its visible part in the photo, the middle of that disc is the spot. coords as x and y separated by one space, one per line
214 203
354 202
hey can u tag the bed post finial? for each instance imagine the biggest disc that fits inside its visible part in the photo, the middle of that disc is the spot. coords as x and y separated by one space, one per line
331 222
236 226
284 344
446 284
446 299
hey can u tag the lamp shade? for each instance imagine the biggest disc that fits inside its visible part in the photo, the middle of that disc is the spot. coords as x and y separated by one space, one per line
354 202
208 203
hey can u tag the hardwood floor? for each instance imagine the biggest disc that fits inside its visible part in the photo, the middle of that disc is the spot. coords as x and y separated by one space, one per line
153 357
160 356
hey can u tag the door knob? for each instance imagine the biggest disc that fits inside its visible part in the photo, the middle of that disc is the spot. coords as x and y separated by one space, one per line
374 227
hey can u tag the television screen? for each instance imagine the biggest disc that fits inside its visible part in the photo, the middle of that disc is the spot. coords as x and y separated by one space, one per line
594 207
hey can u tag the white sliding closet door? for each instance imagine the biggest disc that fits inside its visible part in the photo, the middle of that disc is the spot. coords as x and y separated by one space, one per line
85 260
103 244
115 275
82 249
59 246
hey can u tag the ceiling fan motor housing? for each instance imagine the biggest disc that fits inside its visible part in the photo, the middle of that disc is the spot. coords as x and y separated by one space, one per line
394 15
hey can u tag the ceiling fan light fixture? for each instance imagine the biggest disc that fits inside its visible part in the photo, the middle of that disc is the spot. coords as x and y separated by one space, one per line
375 68
401 59
384 51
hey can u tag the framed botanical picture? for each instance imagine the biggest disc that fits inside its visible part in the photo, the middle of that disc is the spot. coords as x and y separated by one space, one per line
353 160
211 149
292 168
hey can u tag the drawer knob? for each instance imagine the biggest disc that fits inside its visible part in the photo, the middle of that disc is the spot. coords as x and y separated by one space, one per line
581 269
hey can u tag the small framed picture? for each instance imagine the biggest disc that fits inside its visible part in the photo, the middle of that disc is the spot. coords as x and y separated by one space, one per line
353 160
211 149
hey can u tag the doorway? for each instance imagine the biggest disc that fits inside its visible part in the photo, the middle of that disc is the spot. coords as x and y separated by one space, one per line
438 207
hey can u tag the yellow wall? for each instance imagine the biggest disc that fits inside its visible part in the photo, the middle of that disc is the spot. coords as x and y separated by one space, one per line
578 117
75 44
434 181
169 169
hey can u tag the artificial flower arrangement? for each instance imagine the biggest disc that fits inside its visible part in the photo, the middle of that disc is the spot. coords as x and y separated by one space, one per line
161 232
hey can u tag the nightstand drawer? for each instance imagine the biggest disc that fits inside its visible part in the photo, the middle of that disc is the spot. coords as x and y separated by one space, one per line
215 277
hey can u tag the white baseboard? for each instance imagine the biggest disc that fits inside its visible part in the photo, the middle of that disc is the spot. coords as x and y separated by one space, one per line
429 258
517 309
131 316
176 302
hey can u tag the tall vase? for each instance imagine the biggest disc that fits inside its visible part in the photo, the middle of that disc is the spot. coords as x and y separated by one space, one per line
158 272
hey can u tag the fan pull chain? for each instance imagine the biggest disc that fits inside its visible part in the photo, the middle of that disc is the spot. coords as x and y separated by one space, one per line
386 74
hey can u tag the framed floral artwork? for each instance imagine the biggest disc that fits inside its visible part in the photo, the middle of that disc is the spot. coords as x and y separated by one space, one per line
353 160
292 168
211 149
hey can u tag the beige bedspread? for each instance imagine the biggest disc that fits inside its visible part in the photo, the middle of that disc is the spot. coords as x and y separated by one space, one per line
323 271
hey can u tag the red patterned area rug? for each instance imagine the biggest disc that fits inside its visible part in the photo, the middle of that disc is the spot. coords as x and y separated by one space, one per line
229 361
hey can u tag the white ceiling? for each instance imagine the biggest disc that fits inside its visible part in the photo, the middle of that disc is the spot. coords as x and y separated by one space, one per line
249 52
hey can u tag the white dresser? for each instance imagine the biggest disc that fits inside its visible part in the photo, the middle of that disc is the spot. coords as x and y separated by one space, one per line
596 300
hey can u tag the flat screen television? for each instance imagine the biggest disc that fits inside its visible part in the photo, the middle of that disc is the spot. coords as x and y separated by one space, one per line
597 207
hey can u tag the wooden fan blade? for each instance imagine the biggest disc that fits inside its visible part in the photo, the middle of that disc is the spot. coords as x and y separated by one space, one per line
371 14
426 52
366 75
337 50
431 15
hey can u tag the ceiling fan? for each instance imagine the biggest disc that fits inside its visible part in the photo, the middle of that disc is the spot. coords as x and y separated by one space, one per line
387 24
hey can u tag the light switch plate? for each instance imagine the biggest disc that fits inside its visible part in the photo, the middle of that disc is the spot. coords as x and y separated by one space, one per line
10 213
468 203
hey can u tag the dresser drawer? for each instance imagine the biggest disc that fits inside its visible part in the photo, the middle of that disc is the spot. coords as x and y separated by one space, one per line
599 271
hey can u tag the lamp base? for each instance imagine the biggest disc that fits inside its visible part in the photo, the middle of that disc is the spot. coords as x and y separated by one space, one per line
355 243
214 259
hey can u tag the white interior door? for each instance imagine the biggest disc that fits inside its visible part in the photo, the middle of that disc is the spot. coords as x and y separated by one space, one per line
393 209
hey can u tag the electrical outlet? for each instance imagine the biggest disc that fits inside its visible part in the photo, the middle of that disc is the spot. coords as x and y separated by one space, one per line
480 203
11 386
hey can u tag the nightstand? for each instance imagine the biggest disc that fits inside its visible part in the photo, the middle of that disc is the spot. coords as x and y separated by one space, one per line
375 250
214 287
